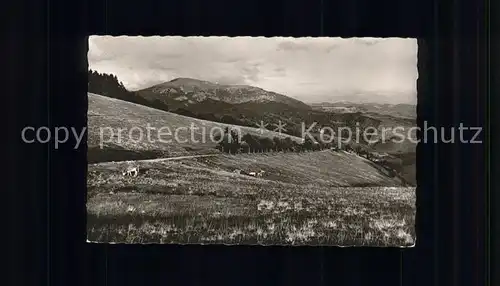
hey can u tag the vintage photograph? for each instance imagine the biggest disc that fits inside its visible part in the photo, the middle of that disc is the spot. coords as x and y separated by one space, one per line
252 140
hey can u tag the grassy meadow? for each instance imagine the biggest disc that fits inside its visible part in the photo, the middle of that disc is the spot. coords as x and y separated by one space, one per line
309 198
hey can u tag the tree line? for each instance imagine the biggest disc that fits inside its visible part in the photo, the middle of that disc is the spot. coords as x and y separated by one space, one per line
229 142
108 85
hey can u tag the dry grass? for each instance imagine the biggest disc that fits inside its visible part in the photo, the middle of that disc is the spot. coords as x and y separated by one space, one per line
201 201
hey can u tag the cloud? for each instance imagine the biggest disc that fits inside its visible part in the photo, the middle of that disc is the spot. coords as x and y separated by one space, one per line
309 69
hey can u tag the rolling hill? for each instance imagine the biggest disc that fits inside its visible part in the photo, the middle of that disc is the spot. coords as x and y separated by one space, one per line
401 153
107 115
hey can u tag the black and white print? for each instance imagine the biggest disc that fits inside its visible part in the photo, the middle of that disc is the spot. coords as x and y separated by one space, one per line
252 140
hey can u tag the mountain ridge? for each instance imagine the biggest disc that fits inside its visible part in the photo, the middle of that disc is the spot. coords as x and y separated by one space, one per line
189 90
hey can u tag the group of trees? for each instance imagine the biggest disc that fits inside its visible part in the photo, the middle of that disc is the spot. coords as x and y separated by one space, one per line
293 130
108 85
231 143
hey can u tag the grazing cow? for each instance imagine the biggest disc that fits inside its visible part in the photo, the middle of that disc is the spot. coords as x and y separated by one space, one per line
131 170
242 172
257 174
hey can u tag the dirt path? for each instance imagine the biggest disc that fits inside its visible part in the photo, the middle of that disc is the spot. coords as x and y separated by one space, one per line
182 157
160 159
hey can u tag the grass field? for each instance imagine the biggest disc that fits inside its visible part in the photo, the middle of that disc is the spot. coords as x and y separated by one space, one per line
322 198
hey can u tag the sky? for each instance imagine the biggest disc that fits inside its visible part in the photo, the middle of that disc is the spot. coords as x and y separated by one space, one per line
382 70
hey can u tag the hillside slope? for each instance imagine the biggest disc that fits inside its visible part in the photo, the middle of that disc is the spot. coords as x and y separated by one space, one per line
284 172
108 115
305 198
395 122
327 168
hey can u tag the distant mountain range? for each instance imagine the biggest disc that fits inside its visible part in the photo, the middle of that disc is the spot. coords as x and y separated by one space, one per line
182 92
396 110
365 97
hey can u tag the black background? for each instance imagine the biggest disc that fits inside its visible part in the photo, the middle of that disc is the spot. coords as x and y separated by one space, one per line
46 56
